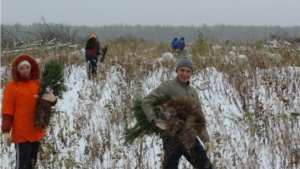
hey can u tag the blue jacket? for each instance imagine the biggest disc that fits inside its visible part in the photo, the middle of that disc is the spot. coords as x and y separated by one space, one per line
181 44
174 44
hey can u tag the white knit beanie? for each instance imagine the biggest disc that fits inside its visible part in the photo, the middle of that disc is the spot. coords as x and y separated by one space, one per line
24 62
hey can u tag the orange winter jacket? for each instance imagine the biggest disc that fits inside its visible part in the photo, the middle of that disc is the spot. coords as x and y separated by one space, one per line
19 100
19 103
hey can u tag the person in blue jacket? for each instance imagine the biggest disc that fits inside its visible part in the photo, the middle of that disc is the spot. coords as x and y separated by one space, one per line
181 44
174 44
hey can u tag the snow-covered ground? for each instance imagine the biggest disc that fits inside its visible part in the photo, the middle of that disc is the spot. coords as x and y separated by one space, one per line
250 129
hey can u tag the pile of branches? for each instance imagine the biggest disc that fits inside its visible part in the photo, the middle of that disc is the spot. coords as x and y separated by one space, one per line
43 34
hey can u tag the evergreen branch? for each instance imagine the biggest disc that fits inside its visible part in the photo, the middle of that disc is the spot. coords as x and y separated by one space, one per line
53 79
142 126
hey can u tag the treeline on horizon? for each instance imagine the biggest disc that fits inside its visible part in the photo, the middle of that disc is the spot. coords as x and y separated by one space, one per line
154 33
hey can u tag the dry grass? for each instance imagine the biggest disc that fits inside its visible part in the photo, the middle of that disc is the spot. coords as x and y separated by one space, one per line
134 61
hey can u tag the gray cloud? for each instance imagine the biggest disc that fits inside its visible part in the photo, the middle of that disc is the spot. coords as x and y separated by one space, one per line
162 12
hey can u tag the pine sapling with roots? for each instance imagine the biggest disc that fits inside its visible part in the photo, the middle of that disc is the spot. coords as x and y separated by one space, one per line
52 81
184 122
103 51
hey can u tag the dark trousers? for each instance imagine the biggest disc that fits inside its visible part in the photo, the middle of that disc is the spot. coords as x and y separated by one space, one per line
26 155
196 155
93 58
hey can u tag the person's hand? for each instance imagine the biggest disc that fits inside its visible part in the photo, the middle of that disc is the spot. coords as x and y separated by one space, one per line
207 146
49 97
6 139
159 123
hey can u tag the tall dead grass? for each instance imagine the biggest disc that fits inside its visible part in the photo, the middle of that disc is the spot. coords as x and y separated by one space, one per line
134 61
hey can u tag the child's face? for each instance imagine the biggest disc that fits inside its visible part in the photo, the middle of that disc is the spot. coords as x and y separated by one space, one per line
184 74
24 70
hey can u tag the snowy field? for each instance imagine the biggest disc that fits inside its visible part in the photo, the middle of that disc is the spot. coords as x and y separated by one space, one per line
252 129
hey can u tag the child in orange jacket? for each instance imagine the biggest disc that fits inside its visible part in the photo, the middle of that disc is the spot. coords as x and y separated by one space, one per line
18 107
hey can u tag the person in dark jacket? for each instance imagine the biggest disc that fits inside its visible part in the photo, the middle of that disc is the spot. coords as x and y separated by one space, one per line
174 45
92 51
170 90
19 103
181 44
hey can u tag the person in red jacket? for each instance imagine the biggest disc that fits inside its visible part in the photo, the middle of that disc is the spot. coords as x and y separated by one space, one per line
92 51
18 107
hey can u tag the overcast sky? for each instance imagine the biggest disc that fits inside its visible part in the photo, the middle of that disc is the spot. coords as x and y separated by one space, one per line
151 12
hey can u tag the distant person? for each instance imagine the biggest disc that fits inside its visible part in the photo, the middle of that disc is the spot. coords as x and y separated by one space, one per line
174 45
181 44
226 42
168 90
19 103
92 51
